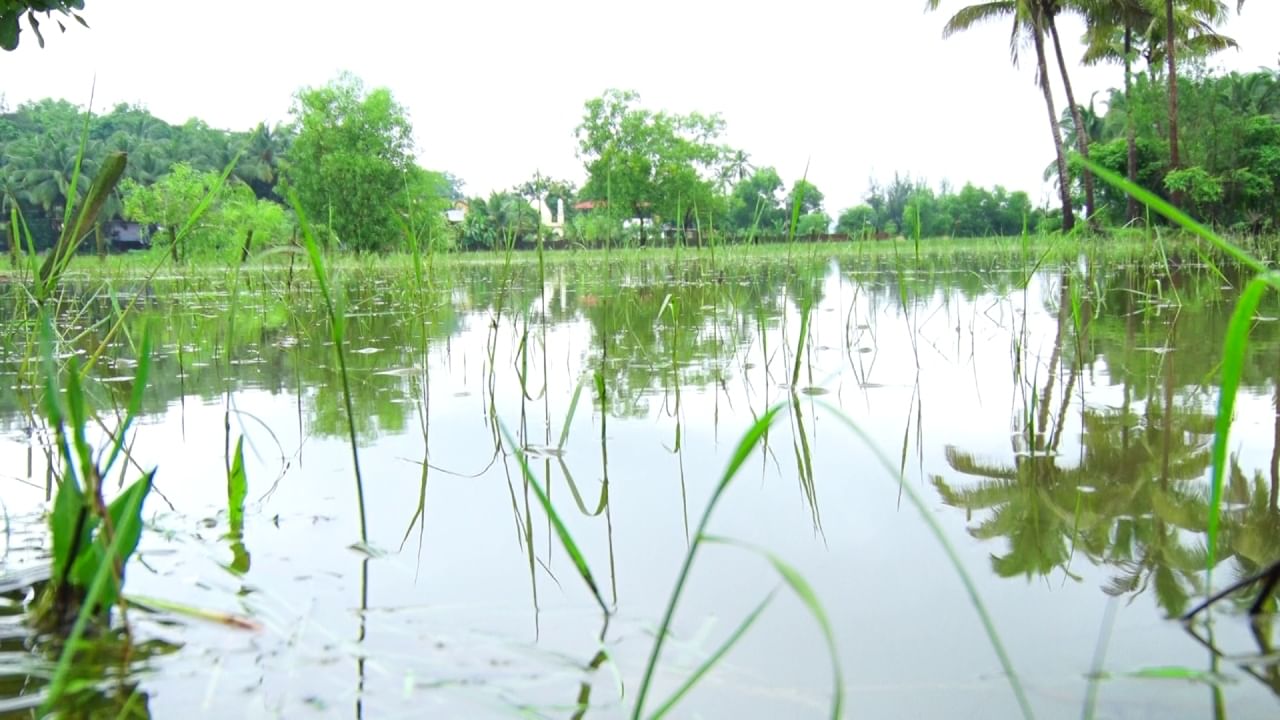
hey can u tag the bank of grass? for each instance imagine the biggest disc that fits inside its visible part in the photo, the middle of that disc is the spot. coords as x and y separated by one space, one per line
1153 246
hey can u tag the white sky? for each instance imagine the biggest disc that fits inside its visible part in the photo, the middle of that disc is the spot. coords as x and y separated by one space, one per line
494 89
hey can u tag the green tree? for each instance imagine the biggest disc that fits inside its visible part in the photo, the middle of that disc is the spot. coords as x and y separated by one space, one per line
427 195
857 221
170 202
347 163
755 204
1030 18
808 195
651 164
814 223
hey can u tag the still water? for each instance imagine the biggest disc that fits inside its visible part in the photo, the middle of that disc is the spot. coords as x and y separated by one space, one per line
1055 426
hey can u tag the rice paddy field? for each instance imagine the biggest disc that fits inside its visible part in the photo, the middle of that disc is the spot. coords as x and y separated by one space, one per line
968 480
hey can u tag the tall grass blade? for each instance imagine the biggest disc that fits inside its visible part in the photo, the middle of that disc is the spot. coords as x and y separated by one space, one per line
562 532
713 660
73 233
573 408
970 587
337 327
745 447
1235 345
804 591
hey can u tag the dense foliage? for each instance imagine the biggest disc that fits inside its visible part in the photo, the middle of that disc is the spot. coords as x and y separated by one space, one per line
1229 150
351 165
1210 143
12 12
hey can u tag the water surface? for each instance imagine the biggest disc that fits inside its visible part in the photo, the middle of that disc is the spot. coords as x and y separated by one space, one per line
1056 426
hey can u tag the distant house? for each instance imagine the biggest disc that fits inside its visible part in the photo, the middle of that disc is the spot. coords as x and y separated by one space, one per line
457 213
126 235
591 205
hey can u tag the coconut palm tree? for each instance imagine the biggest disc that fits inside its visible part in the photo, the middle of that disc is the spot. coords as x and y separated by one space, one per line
1105 20
1030 18
1118 29
1206 12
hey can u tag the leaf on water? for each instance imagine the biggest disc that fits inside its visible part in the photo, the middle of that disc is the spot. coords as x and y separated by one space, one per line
1175 672
400 372
367 550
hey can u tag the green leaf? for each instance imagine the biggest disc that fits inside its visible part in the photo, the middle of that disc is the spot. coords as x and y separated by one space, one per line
9 31
1235 345
712 661
805 592
125 515
132 508
68 507
237 490
562 532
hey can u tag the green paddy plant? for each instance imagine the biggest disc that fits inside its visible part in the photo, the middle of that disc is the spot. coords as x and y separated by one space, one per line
92 540
337 330
84 526
78 224
746 446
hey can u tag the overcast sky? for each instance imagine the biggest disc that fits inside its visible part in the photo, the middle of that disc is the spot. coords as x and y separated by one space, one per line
855 88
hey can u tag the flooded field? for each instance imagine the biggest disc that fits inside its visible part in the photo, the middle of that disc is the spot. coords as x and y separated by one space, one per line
969 457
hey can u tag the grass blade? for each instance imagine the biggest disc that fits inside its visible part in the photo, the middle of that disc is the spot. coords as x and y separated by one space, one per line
1234 347
711 662
804 591
562 532
745 447
970 587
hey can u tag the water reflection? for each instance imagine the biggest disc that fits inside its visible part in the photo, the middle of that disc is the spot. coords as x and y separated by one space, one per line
1064 420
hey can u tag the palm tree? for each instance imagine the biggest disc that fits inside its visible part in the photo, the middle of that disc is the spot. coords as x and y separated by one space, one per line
1051 8
1030 17
1206 12
737 167
44 165
1107 19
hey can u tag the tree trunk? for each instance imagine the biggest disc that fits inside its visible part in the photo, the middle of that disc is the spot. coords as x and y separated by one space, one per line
1170 57
1064 178
13 240
244 250
1131 128
1077 116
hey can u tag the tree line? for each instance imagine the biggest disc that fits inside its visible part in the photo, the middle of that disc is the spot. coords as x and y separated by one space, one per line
345 161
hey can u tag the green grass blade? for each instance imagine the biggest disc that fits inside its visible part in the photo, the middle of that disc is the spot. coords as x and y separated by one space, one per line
712 661
140 376
237 489
562 532
73 232
745 447
1158 204
573 408
805 592
1234 348
970 587
337 327
804 335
